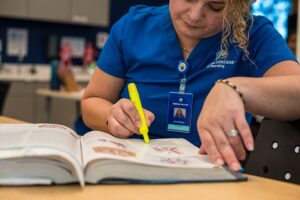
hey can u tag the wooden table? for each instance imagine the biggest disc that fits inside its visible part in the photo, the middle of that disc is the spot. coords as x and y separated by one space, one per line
8 120
255 188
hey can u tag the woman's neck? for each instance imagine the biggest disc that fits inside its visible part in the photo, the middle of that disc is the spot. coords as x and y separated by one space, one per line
186 45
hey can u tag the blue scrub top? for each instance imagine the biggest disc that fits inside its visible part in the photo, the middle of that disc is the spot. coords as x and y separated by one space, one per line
143 48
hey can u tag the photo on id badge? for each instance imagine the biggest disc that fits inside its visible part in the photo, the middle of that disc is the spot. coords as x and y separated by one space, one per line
180 109
179 113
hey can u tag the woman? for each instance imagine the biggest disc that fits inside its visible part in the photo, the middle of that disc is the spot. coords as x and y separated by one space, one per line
175 54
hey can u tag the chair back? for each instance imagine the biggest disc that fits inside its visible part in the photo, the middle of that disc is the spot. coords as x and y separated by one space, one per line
277 151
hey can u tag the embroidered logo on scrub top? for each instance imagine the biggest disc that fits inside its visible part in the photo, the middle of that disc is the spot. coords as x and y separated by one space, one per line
221 54
220 61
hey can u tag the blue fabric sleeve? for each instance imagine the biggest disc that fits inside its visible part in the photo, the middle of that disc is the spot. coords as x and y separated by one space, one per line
267 47
111 58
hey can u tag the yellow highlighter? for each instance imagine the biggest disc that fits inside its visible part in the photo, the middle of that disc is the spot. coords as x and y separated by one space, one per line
135 99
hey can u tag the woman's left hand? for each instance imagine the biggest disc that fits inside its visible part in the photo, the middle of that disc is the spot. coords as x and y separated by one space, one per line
223 112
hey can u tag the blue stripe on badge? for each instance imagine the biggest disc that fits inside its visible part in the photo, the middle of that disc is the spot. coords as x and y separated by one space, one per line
180 128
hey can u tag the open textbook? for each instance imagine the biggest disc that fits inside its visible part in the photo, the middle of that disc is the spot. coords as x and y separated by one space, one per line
54 154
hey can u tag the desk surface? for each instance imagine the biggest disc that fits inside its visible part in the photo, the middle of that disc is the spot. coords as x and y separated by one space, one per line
255 188
8 120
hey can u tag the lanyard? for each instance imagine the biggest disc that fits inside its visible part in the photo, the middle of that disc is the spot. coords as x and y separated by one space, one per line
183 67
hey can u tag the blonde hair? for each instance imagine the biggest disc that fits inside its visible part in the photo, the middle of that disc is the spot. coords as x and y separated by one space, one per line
236 21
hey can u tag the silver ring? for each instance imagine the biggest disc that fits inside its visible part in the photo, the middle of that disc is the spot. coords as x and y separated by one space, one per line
233 133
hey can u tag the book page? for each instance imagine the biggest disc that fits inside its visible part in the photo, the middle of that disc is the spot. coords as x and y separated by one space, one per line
42 136
160 152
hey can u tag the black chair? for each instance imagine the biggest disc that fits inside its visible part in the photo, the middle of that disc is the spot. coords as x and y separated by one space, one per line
277 151
4 88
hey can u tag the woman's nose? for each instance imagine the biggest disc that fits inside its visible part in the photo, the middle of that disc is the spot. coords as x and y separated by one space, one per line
196 13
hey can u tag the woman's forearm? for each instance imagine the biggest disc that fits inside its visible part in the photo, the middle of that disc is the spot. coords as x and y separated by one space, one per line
94 112
276 97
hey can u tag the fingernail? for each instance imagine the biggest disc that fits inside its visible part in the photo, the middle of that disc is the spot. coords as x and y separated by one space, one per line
149 120
250 146
235 166
241 170
219 161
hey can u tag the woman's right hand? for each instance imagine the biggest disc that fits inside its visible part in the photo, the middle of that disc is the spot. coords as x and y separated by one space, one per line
123 119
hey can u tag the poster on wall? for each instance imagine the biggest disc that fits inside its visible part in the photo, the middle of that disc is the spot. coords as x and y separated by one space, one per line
77 45
101 38
17 42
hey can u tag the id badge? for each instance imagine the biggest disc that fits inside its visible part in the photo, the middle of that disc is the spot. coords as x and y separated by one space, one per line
180 112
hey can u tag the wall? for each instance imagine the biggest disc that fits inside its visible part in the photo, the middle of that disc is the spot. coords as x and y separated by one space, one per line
39 32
